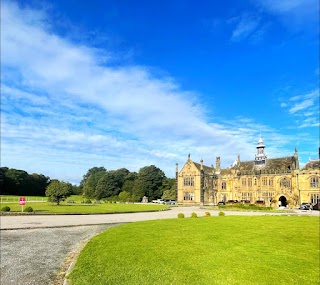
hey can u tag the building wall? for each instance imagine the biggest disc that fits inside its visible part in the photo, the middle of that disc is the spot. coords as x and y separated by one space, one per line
294 185
189 170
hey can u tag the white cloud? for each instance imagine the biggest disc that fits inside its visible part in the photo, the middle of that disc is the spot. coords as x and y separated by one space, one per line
66 108
246 26
294 14
301 106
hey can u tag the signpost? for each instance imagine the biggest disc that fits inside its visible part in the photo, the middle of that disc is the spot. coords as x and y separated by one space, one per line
22 202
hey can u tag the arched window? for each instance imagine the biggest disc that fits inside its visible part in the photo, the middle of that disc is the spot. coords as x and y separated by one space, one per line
224 185
285 183
314 182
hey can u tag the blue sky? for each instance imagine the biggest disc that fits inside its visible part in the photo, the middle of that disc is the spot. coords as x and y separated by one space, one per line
134 83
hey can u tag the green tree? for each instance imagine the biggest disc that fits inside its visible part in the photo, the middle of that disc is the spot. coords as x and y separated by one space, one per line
57 191
169 195
168 186
91 182
149 183
124 196
90 172
110 183
128 186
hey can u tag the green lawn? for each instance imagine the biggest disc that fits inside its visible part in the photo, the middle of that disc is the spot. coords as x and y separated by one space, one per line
208 250
78 208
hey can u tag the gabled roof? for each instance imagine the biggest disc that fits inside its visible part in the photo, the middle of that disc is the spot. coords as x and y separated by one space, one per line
281 163
312 164
206 169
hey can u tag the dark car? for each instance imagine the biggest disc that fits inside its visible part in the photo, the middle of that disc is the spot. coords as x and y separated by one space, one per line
259 202
232 202
221 203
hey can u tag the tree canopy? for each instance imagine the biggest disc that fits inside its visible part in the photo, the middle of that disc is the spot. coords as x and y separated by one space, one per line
57 191
19 182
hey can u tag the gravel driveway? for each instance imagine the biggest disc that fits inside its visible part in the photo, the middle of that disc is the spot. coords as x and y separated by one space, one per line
35 256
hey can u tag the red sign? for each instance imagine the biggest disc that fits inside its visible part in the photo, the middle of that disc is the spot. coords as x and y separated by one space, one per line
22 201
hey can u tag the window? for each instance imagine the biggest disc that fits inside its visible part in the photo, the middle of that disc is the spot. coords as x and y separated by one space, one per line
244 182
314 182
188 181
285 183
249 182
188 196
267 195
247 196
224 185
315 198
271 182
264 181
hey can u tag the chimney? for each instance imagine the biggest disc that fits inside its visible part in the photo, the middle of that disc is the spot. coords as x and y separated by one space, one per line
201 164
218 164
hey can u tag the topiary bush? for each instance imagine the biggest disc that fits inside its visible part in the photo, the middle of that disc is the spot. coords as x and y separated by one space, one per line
222 214
180 215
194 215
5 209
28 209
87 201
208 214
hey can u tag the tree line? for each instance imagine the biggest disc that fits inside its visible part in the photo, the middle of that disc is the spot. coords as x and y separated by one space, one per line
97 183
123 185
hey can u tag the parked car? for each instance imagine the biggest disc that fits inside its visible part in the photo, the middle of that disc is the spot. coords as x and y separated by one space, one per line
232 202
221 203
169 202
305 206
245 201
259 202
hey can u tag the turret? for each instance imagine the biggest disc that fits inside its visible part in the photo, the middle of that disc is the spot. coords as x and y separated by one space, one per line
260 157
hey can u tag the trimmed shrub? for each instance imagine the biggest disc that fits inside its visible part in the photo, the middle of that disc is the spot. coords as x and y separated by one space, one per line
194 215
222 214
87 201
5 209
28 209
208 214
180 215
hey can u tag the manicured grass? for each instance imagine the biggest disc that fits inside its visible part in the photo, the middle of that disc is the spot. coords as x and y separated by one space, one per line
47 208
78 208
208 250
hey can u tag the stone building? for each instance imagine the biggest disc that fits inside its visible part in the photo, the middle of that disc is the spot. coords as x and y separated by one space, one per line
267 181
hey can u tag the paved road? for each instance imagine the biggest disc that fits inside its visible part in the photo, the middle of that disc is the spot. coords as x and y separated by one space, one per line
34 247
37 221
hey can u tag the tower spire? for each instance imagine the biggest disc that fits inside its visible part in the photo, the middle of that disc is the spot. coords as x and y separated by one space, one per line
260 157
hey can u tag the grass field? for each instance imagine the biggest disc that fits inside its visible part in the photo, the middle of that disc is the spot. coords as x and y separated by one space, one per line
78 208
209 250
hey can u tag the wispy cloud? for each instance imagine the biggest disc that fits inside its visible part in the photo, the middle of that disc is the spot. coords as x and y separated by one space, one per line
66 107
305 108
246 26
295 14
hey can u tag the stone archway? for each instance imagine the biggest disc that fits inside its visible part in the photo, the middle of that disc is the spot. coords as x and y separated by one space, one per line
282 201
